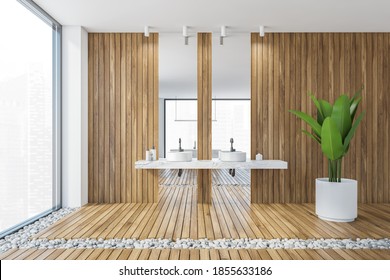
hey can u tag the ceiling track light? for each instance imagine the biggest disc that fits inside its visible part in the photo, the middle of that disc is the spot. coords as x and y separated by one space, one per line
185 34
146 31
223 34
261 31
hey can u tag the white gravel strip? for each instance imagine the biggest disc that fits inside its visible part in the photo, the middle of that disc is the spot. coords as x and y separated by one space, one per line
21 239
23 236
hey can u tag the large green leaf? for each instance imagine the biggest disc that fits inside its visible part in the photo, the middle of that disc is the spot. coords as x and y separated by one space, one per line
326 108
331 142
351 133
309 120
341 115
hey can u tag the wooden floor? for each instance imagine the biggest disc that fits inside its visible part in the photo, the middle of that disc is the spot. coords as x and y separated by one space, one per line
230 215
193 254
220 177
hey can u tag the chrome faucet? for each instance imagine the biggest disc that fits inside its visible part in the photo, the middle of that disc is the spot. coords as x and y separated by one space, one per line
180 149
231 145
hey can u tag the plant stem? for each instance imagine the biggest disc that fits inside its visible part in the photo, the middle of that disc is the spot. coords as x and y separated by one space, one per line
339 170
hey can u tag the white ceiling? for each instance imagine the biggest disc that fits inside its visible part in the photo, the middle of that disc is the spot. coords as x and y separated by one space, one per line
208 15
231 62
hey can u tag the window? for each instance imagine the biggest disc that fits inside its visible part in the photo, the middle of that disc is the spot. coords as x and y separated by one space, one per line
180 122
230 119
29 114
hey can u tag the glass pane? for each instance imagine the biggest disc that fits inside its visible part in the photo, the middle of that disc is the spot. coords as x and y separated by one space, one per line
25 115
175 129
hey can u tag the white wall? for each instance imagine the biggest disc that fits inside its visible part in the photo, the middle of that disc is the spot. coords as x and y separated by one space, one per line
74 116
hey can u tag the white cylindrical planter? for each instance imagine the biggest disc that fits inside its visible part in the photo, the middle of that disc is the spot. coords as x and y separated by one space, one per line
336 202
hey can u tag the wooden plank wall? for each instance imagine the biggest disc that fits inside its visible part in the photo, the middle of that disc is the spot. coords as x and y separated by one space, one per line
204 113
284 68
123 116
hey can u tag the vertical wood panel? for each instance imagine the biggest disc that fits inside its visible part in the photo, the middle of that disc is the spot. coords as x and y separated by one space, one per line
123 116
106 46
112 118
285 67
204 113
129 162
95 74
101 120
91 178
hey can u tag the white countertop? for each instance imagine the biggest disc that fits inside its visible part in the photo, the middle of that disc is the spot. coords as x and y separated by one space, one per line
211 164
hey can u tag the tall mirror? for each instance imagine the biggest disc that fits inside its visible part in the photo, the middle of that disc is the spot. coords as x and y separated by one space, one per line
177 94
231 101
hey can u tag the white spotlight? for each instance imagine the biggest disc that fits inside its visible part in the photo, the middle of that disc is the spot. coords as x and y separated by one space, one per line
146 31
185 34
223 34
185 31
223 31
261 30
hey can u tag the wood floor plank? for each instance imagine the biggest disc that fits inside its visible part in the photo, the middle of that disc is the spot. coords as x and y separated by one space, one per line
102 221
4 255
304 255
65 254
125 254
264 255
274 254
164 194
204 254
116 224
224 254
214 254
234 255
155 254
184 254
25 254
115 254
185 233
165 254
195 254
105 254
145 254
293 254
74 254
160 216
175 254
244 254
85 254
135 253
45 254
55 254
243 228
200 254
230 215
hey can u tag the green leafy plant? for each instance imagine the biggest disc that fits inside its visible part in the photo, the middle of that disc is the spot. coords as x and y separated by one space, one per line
334 128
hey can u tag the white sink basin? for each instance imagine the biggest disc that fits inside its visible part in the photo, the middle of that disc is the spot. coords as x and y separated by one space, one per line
232 156
179 156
